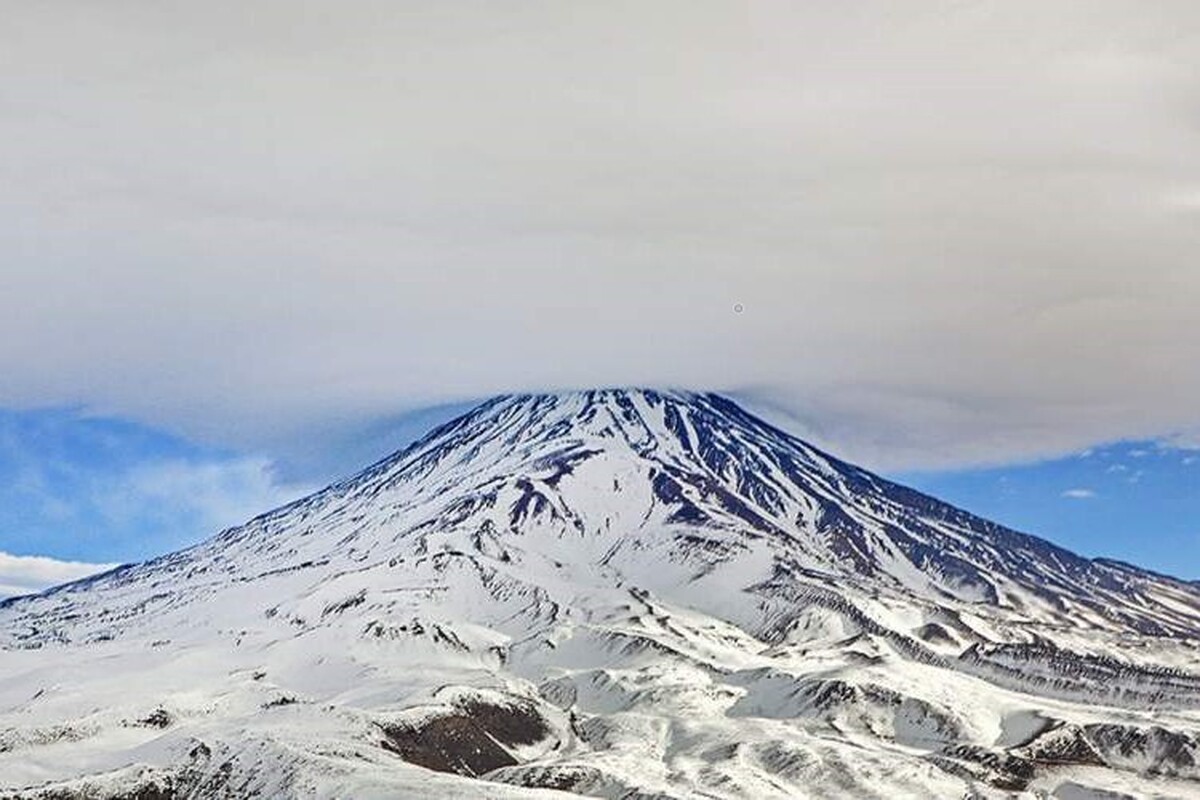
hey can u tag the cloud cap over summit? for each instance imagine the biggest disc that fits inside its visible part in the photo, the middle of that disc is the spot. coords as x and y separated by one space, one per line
957 232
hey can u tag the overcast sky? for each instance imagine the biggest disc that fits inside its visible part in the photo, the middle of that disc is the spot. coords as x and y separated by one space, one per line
959 232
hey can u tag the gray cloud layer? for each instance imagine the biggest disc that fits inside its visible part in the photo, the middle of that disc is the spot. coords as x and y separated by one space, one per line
960 231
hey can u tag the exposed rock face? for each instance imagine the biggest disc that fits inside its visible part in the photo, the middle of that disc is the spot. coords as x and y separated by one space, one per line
470 740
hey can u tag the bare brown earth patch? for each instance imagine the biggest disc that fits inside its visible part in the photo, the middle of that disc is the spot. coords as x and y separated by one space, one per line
469 740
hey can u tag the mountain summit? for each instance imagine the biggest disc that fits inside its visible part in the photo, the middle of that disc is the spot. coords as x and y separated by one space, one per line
619 593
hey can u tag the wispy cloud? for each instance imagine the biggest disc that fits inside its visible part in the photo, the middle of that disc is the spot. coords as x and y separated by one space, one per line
212 494
94 489
1182 440
1079 494
29 574
166 503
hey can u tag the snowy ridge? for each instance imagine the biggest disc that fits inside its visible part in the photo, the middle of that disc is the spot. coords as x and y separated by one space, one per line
614 593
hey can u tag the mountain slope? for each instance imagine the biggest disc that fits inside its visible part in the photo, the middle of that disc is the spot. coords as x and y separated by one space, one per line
615 593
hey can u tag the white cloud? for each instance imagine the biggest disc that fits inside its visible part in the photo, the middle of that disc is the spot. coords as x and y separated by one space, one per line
1185 199
1079 494
951 246
99 490
209 495
29 574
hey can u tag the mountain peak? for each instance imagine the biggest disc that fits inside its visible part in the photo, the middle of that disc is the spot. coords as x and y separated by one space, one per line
670 421
615 474
627 470
530 571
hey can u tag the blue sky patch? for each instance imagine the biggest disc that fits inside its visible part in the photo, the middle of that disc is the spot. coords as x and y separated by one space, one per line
86 488
1133 501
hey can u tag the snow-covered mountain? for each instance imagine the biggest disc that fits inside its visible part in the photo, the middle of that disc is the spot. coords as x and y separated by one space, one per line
621 594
